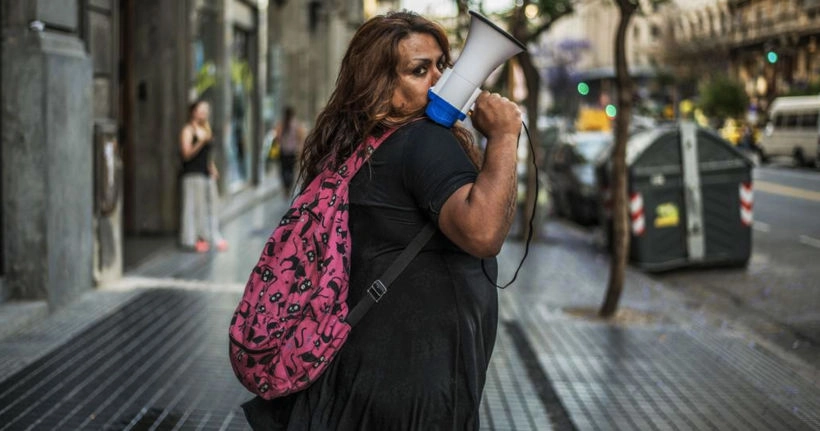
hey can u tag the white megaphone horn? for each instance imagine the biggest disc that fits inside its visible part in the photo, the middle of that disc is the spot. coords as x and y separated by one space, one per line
455 92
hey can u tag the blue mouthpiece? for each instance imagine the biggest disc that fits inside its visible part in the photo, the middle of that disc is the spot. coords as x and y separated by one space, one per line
441 111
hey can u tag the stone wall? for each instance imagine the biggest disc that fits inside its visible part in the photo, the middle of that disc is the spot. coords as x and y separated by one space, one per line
47 152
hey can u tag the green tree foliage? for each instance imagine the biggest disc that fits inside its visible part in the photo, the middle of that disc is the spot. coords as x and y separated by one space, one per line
723 97
205 77
809 89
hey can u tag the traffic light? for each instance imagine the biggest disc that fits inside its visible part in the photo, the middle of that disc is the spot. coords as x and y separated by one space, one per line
771 57
583 88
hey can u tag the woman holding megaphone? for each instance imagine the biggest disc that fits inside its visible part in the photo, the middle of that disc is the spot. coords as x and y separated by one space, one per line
418 359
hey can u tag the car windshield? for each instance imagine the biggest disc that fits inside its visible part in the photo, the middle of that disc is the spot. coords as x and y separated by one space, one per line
588 147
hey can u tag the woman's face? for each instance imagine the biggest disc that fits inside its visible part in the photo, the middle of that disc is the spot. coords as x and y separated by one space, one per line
201 112
421 62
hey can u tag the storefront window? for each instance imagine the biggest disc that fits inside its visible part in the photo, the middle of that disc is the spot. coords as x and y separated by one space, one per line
203 80
238 148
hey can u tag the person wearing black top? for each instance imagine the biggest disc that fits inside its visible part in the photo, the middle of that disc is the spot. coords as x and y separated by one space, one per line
418 359
199 226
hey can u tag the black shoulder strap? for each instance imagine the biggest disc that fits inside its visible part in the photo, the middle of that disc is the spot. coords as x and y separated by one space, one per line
379 287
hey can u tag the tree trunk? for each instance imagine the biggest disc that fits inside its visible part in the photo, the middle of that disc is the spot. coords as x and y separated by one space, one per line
463 21
620 222
520 32
531 102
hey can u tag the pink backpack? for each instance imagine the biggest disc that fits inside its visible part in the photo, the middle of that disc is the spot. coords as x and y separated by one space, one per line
293 317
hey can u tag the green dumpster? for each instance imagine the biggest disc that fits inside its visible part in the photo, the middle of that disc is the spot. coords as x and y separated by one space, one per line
690 199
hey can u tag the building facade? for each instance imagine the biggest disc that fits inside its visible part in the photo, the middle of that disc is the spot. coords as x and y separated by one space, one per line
584 45
94 95
769 45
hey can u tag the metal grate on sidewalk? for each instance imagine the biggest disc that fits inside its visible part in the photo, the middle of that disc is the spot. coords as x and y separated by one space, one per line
159 362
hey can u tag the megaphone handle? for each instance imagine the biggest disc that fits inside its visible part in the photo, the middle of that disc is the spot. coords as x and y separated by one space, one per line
471 101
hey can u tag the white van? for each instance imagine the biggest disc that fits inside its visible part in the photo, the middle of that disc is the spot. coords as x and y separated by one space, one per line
793 129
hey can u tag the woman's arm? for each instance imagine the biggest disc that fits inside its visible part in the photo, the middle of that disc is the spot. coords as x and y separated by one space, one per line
277 131
212 170
478 216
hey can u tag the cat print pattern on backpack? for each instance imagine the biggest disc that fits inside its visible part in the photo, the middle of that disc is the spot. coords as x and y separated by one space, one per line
290 321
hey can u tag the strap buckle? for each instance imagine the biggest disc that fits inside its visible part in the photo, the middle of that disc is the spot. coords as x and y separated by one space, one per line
377 290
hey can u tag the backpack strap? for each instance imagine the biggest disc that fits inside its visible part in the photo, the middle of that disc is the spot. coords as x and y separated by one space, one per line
379 287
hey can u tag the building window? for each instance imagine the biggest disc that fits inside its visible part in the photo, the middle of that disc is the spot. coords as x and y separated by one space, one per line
655 31
205 45
809 121
713 24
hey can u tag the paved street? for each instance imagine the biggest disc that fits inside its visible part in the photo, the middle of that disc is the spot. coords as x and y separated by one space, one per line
778 293
149 352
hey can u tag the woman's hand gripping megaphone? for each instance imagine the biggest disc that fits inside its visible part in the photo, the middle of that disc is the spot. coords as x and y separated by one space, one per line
495 116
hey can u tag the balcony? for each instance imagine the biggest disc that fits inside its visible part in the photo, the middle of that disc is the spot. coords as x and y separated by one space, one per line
745 30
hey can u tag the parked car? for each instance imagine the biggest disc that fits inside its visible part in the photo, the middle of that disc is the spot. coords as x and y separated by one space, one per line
571 173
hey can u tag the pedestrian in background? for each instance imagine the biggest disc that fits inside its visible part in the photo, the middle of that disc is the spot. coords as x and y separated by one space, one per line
418 359
199 224
291 135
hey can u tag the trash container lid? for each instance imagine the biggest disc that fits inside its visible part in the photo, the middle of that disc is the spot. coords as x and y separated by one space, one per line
658 150
714 152
641 141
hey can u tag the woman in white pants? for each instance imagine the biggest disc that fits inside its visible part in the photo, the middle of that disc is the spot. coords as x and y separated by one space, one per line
199 225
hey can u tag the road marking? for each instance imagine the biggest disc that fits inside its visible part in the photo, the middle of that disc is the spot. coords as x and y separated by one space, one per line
786 172
813 242
794 192
761 227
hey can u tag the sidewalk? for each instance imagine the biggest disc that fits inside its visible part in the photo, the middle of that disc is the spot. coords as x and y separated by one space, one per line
659 364
150 350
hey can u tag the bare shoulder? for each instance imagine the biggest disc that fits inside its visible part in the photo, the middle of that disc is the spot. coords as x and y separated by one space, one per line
186 135
188 128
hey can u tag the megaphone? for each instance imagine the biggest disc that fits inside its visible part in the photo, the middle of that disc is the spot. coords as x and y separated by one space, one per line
455 92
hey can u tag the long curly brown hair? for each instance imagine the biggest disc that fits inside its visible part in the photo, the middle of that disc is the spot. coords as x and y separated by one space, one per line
360 104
